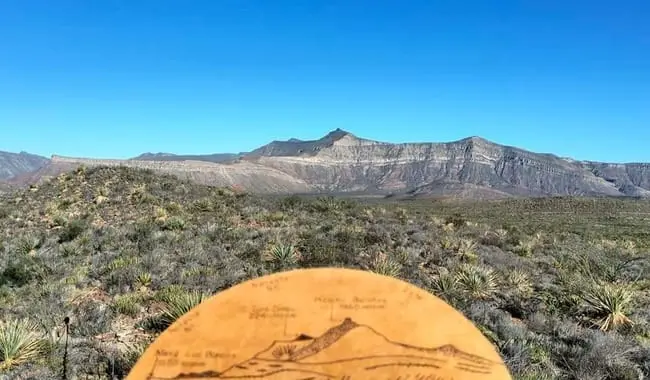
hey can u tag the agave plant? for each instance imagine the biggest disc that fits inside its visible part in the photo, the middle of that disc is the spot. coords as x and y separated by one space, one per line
610 304
20 342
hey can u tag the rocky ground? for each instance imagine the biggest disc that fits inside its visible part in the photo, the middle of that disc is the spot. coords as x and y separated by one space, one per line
561 286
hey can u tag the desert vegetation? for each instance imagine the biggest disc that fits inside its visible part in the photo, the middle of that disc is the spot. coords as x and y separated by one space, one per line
561 286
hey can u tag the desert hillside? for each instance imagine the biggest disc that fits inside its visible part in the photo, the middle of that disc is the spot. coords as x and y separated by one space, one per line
560 285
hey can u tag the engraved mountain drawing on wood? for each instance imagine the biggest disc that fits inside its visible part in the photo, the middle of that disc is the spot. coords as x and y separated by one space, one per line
352 351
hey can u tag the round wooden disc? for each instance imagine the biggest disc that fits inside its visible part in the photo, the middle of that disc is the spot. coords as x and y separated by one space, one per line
317 324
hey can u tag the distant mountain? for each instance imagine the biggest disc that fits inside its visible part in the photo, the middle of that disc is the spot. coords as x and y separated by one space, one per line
341 162
15 164
216 157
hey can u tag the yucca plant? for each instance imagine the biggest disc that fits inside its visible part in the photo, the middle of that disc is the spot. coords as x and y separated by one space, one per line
609 304
133 352
28 244
449 242
448 227
467 249
384 265
283 255
178 303
445 285
143 279
476 281
127 304
526 247
20 342
519 281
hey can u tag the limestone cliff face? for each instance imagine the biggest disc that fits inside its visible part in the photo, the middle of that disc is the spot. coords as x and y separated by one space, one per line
632 179
341 162
351 164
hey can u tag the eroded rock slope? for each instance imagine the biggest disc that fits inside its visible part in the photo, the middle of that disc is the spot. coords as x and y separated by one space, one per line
341 162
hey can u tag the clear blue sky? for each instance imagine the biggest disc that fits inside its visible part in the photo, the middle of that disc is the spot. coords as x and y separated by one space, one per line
115 78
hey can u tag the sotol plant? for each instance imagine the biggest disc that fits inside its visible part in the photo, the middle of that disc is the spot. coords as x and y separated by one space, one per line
177 303
477 281
20 342
384 265
284 255
609 304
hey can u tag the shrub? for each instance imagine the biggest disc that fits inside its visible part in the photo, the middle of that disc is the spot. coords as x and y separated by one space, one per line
127 304
175 223
72 230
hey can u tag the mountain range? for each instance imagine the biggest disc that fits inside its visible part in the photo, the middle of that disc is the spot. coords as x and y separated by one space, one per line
341 162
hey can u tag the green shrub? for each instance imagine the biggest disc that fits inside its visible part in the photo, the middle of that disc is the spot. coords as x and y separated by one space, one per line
128 304
72 230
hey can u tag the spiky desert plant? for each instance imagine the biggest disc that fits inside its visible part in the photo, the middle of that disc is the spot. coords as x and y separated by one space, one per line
178 303
143 279
127 304
476 281
609 304
133 352
526 247
282 254
437 221
449 242
28 244
20 342
467 249
384 265
519 281
445 285
448 227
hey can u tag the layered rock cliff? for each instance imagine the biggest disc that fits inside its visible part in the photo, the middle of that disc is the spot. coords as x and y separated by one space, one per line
341 162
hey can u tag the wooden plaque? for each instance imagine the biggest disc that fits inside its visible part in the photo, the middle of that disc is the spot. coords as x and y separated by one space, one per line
319 324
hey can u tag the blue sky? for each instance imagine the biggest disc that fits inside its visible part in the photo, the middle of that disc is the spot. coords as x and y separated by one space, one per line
115 78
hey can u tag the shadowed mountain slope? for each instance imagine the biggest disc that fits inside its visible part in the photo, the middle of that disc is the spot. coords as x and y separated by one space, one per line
15 164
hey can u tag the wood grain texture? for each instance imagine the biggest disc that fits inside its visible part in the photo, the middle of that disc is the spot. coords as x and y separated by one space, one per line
322 323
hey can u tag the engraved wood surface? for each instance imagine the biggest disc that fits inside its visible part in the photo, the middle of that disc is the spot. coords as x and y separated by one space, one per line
317 324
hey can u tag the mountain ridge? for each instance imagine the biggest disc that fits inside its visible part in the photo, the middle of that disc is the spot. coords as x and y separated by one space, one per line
340 162
14 164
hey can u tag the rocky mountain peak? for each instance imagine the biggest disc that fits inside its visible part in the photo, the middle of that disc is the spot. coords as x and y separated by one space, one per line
337 134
